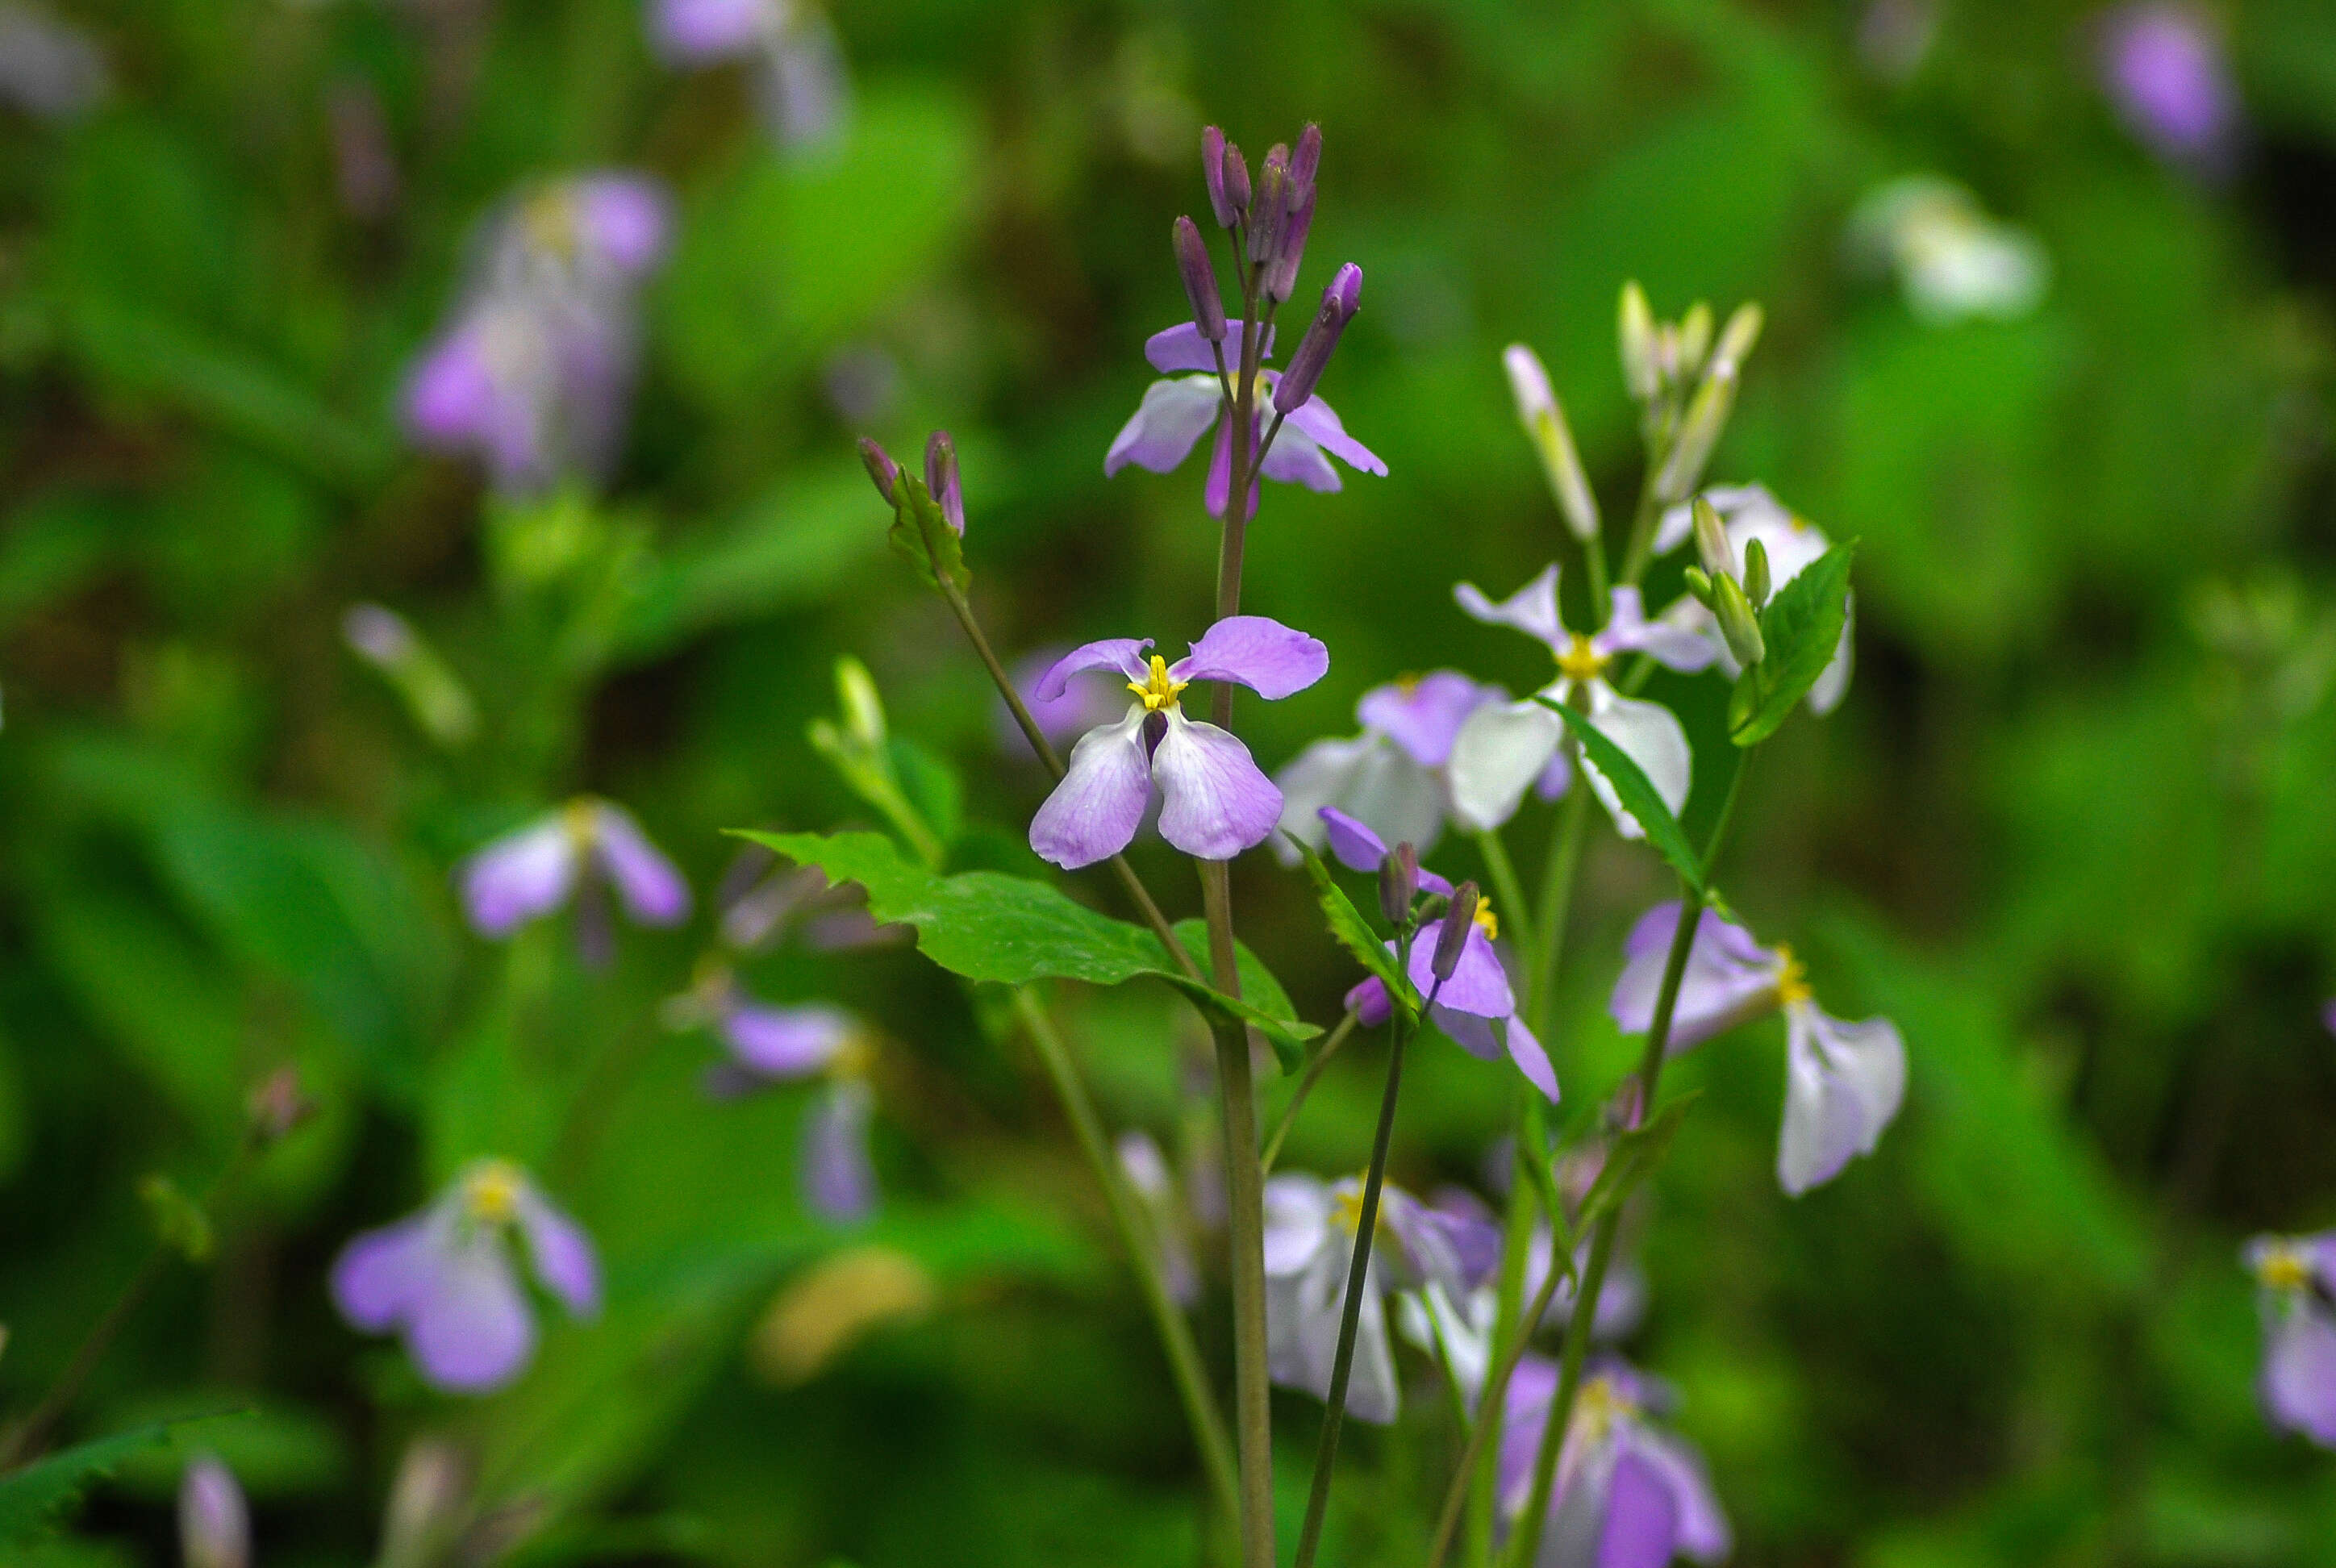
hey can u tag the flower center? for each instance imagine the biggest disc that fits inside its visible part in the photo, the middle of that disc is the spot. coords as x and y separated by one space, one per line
581 822
551 226
490 1193
1600 1405
1580 660
1792 978
2284 1268
1347 1210
1157 690
855 1058
1486 921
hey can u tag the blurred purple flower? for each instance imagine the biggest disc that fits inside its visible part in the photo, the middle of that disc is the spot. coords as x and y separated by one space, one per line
1793 542
2164 66
444 1280
48 69
1310 1244
1626 1494
2296 1281
1175 413
528 874
214 1521
534 371
1392 776
1843 1082
800 83
1215 803
1086 700
1505 748
1147 1173
1475 1008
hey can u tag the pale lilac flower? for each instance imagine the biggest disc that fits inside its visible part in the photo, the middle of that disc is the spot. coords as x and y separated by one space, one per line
534 372
1175 413
2296 1277
1155 1185
1953 262
1460 1328
444 1278
528 874
1842 1081
1475 1009
48 69
765 902
1793 543
1626 1494
214 1521
1309 1247
800 83
1214 802
1392 776
1088 699
2164 66
1504 748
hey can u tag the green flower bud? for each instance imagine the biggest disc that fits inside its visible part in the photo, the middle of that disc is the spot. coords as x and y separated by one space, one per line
1712 547
1694 340
1756 573
1737 622
1637 331
1699 585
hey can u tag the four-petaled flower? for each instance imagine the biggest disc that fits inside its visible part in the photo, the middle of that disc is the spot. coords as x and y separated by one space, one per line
1504 748
1177 412
2297 1280
1793 542
1215 803
1392 776
528 873
1626 1494
1475 1008
1842 1081
444 1278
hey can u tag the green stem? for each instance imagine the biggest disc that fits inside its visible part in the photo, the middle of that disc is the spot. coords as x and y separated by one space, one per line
1595 549
1507 891
1135 1235
1305 1087
1556 903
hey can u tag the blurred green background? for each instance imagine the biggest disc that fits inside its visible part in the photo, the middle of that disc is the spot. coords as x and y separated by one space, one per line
2071 828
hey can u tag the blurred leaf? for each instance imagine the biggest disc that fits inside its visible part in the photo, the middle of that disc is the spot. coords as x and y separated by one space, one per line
1639 796
32 1497
1631 1156
1802 628
279 1449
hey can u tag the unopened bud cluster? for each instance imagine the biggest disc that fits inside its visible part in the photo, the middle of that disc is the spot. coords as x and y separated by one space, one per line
1734 599
1684 380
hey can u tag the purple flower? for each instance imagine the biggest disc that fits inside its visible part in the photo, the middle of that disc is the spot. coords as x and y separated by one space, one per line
528 874
2297 1280
533 374
800 83
1310 1244
1175 413
1504 748
1842 1081
1626 1494
1086 700
444 1279
1392 776
1214 802
1147 1173
1793 544
1475 1009
214 1522
2164 66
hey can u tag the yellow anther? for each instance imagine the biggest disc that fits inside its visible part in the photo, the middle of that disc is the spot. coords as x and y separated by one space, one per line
1580 660
490 1193
855 1059
1157 689
1486 921
581 818
1792 978
1601 1404
2284 1268
1347 1210
550 222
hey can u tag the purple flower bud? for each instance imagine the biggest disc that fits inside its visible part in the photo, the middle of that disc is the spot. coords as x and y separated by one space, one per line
1340 301
941 479
1281 277
214 1526
1303 162
1213 170
1398 883
1452 936
881 467
1268 213
1234 177
1200 280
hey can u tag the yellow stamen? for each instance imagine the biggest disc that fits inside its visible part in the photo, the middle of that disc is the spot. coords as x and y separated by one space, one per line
1580 660
1347 1210
1599 1405
1157 689
2284 1268
580 817
1486 921
855 1059
490 1192
1792 978
551 220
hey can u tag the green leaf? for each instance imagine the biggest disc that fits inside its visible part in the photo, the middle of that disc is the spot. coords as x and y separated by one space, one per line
1354 933
32 1497
923 535
990 926
1630 1159
1639 796
1802 626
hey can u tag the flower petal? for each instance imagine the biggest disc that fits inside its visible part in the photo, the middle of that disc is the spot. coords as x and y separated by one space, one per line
1316 418
623 220
1729 978
1182 347
1424 716
520 877
471 1332
1650 735
381 1274
1215 802
1641 1516
1532 609
654 893
1297 1220
1478 986
838 1179
1356 846
561 1255
1501 749
1371 780
1123 653
1260 652
1094 813
1843 1084
1369 1002
1294 458
1703 1530
1160 433
783 1042
2298 1371
1668 642
691 31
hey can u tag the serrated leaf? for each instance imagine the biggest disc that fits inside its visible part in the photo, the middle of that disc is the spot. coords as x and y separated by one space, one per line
922 534
1630 1159
1802 626
1636 793
1354 933
32 1497
990 926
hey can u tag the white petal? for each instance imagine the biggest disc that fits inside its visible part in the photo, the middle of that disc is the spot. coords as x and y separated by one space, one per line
1843 1085
1648 735
1501 750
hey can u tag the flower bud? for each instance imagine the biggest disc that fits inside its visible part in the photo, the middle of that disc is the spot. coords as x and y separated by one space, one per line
1694 339
1398 883
1698 432
1453 935
864 709
1212 172
1340 301
426 1504
1235 178
1304 161
1737 623
278 1106
1200 280
941 479
1544 422
1735 341
1699 586
1281 277
1711 546
1756 573
1269 208
1637 331
881 467
214 1525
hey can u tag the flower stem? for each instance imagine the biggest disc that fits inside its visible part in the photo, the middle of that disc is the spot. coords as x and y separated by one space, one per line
1175 1333
1305 1087
1556 903
1516 914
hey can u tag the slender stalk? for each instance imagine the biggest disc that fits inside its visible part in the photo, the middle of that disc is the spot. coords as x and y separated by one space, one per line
1516 914
1305 1087
1556 903
1593 550
1175 1333
1508 1312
